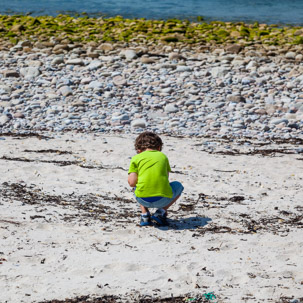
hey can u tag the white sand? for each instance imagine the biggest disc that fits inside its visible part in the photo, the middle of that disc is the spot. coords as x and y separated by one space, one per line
48 257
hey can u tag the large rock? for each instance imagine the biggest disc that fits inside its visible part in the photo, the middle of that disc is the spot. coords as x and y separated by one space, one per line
119 81
25 43
34 63
171 108
183 68
9 73
235 34
252 65
175 56
299 79
138 123
219 71
147 60
30 72
235 98
17 28
233 49
65 91
167 90
270 99
19 115
238 62
95 85
92 54
247 80
164 65
76 61
106 47
265 69
57 60
60 47
129 54
86 80
5 104
4 89
95 64
3 120
299 57
290 55
277 121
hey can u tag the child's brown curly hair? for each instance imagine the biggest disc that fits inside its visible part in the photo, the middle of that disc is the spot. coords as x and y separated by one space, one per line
148 140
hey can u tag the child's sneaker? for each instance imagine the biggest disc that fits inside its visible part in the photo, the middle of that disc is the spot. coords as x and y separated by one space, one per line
160 217
145 219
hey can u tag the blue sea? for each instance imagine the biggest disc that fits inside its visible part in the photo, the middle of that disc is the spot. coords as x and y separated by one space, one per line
263 11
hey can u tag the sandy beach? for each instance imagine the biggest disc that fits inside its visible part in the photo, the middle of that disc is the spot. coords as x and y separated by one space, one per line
69 221
227 100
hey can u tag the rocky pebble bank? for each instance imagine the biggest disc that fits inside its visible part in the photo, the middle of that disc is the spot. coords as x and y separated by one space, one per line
221 91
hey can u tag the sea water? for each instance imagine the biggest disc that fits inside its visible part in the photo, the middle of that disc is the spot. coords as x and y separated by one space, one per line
263 11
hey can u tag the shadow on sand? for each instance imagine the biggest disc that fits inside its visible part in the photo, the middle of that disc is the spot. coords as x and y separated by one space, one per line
185 223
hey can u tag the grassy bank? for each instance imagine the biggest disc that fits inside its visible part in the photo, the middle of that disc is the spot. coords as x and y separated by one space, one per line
83 29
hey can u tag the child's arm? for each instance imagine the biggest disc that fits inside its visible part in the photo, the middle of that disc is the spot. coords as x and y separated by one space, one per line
132 179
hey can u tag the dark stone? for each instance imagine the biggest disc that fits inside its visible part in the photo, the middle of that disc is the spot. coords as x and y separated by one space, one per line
234 48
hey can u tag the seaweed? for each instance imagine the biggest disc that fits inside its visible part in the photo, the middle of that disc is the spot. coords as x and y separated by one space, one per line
88 28
62 162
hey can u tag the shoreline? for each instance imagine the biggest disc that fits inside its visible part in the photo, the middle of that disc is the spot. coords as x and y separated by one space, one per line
189 18
83 29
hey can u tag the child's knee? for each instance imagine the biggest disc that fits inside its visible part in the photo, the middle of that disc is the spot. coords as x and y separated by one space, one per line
177 187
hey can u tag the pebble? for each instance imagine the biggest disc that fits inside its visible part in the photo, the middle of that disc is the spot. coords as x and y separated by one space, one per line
10 73
171 108
265 69
175 56
75 61
138 123
290 55
4 89
129 54
3 120
167 90
30 72
19 115
219 71
119 81
94 65
218 93
235 98
65 91
247 80
147 60
57 60
234 49
96 85
251 65
183 68
278 121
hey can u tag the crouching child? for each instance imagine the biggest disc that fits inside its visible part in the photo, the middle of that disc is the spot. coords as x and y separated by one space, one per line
148 174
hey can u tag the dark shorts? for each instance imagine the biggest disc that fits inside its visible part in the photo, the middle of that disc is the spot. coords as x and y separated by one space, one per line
177 189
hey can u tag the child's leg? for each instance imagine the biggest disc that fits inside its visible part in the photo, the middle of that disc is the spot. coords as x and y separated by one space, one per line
144 209
160 216
145 216
177 190
171 203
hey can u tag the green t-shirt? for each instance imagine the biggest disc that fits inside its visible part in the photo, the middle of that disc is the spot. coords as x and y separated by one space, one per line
152 168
